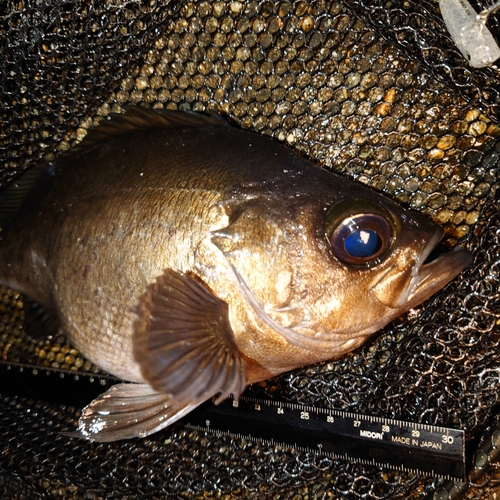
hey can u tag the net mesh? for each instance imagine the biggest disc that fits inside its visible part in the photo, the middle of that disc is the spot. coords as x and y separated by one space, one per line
374 90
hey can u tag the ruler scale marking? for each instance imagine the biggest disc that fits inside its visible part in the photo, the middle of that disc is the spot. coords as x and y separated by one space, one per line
432 450
372 440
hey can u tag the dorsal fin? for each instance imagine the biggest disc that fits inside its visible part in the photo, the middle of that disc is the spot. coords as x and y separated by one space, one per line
140 119
135 119
13 197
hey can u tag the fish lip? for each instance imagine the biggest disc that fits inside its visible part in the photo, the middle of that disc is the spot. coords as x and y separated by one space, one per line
427 250
429 277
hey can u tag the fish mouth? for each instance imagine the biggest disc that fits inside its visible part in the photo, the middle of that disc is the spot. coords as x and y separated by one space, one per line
434 269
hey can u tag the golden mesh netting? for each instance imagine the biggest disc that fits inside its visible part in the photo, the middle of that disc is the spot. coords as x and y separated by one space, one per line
373 90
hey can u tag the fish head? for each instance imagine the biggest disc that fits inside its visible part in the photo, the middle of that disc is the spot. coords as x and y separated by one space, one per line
392 254
327 271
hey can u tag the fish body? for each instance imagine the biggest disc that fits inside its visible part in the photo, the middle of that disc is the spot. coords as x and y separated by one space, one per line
193 258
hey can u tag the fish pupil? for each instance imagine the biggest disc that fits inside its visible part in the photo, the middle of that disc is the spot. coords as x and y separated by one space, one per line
363 243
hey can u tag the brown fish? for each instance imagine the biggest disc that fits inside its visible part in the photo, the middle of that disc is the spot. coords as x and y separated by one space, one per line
193 258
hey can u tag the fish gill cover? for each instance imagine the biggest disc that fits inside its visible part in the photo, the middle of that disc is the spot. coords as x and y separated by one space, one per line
373 90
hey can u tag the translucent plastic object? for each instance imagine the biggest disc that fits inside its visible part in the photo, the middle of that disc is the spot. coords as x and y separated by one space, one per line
468 30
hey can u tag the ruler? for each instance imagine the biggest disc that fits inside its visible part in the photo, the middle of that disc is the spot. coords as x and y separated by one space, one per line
394 444
370 440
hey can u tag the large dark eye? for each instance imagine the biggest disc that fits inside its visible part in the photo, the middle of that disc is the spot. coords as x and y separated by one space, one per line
359 235
361 239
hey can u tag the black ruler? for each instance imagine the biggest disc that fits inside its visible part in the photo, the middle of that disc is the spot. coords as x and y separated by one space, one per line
394 444
370 440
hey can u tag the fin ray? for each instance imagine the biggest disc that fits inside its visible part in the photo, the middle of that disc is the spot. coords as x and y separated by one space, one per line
39 321
189 364
17 194
127 411
137 119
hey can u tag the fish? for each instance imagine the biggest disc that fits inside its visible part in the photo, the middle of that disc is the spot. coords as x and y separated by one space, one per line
191 258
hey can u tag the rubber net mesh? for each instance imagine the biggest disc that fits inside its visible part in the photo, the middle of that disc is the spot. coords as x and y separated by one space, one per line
372 89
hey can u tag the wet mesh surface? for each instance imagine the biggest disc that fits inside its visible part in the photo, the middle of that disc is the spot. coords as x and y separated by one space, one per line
373 90
59 60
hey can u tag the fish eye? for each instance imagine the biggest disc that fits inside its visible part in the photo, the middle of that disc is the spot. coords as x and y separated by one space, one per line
361 239
361 236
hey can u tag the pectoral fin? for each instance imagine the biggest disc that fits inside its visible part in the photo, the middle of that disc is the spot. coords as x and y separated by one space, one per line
127 411
184 343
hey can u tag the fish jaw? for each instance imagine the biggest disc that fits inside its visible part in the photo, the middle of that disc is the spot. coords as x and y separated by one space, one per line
434 275
425 278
